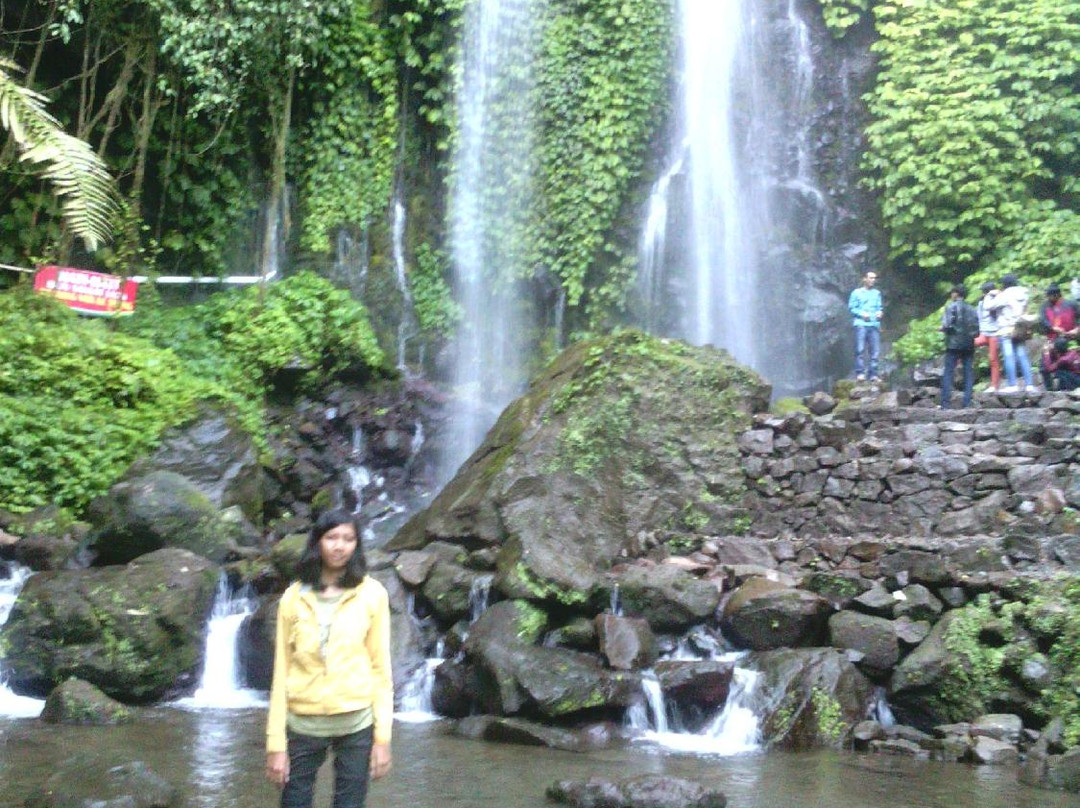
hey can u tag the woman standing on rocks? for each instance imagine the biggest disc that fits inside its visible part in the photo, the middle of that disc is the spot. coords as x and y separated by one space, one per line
332 687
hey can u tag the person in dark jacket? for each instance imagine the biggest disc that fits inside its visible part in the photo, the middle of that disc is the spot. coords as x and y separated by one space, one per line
1058 318
1063 363
960 323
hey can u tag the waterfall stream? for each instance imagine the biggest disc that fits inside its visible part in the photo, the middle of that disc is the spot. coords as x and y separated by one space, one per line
407 327
12 578
494 165
221 687
734 236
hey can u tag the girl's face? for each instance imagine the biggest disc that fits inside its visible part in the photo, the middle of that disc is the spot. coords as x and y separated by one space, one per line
336 547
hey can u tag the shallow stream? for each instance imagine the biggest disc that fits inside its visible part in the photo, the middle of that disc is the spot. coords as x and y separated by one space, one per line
216 758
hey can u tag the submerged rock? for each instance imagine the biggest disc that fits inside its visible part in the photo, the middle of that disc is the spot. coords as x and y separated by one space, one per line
648 791
86 782
519 731
79 702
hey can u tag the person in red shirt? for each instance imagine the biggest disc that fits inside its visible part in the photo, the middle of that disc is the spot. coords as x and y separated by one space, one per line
1059 318
1063 363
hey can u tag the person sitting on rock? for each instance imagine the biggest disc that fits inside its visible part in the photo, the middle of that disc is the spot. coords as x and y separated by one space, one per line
332 686
1061 365
1058 318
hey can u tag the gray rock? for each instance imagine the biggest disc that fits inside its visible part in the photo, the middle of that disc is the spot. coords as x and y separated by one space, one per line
763 615
866 731
991 752
627 643
703 684
820 403
518 731
1030 481
668 597
999 726
899 748
873 637
77 702
413 566
918 603
877 601
911 632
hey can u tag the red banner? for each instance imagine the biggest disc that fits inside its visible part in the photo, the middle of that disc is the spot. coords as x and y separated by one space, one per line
88 292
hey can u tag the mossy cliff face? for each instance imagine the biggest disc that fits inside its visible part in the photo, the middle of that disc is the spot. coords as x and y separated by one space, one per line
617 436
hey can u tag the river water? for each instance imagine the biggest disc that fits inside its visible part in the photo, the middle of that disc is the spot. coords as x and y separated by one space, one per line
216 759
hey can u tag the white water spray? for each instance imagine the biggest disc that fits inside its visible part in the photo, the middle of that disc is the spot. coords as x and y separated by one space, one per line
12 705
221 687
407 328
494 168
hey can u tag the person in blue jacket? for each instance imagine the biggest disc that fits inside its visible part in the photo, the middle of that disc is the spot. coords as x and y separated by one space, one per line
865 306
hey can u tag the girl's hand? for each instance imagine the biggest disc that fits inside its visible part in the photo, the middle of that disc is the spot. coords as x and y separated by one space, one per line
380 760
277 768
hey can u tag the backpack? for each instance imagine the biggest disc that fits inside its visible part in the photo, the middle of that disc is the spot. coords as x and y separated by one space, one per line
963 327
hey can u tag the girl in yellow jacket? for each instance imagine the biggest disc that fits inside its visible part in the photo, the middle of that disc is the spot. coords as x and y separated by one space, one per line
332 685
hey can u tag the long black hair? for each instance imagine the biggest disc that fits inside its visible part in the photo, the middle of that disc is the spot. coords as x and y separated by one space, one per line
309 570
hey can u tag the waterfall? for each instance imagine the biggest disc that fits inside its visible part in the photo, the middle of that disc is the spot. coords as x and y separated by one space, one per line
359 476
414 704
407 327
734 730
12 578
494 165
734 243
351 260
479 595
220 686
615 607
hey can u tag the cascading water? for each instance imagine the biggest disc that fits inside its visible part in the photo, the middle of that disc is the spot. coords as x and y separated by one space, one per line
221 687
494 165
734 730
351 260
407 328
12 578
735 244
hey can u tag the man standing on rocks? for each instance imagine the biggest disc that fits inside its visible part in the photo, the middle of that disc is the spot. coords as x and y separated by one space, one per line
865 306
960 322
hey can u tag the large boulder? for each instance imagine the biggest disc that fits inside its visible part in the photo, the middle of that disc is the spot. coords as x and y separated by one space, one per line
809 697
162 509
134 631
216 454
79 702
762 615
617 437
669 598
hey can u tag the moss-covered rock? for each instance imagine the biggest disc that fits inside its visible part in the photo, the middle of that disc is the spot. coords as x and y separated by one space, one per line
617 436
135 631
79 702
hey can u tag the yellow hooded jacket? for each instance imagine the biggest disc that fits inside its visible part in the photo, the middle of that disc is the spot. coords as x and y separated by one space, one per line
355 672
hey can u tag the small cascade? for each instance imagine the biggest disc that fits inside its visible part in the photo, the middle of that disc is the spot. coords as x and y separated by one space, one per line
407 328
649 716
616 602
220 687
479 596
359 476
734 730
880 710
414 706
351 260
12 578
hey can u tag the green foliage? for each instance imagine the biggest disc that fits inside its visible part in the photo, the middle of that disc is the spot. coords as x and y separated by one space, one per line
603 80
348 152
436 310
841 15
78 402
976 124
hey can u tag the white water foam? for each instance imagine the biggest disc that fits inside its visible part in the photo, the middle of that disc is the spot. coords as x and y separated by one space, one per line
220 687
11 704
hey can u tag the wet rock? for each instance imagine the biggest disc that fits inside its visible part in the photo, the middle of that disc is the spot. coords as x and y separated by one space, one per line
873 637
136 631
999 726
703 684
627 643
866 731
824 696
78 702
763 615
579 633
877 601
47 538
990 752
648 791
82 782
162 509
448 589
911 632
413 567
918 603
216 455
455 686
667 597
517 731
899 748
820 403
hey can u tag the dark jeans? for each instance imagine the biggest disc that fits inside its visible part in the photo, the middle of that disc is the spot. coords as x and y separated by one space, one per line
1067 380
951 358
352 759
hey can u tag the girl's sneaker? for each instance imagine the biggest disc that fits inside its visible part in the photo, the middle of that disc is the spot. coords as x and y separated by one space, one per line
1011 388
